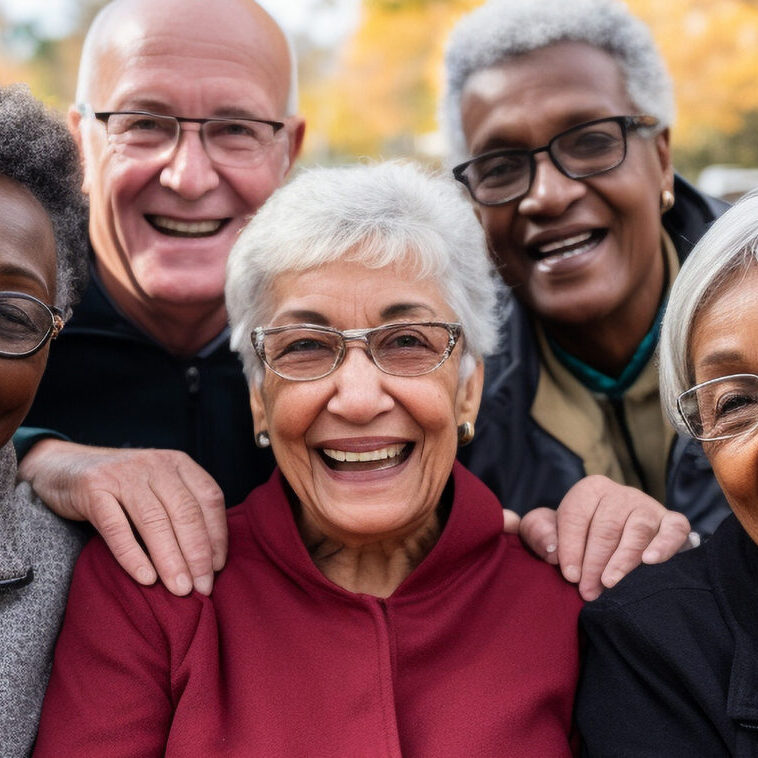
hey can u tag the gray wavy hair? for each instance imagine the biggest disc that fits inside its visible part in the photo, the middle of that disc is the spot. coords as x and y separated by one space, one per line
37 151
376 215
727 250
503 29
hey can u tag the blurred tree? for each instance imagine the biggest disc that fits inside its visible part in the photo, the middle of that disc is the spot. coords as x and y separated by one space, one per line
384 93
711 47
387 85
376 94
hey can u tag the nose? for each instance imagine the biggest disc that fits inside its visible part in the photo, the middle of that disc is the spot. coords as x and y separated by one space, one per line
360 392
190 172
551 192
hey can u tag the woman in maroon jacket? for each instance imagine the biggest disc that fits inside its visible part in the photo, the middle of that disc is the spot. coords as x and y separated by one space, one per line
371 604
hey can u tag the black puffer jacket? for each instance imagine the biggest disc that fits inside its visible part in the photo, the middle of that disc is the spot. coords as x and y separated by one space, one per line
524 465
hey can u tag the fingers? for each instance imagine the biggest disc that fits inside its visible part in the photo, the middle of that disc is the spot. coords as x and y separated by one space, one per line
673 535
573 518
614 546
115 529
511 521
174 505
539 531
645 533
168 515
213 509
605 530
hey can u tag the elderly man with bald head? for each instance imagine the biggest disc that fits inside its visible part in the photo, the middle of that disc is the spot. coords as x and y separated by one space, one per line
185 119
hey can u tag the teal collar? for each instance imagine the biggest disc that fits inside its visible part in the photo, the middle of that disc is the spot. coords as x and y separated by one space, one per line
600 383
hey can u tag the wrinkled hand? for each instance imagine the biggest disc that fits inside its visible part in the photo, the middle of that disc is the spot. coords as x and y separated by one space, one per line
601 531
174 505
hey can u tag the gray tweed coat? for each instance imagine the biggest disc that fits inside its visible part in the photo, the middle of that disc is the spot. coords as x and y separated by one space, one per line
37 555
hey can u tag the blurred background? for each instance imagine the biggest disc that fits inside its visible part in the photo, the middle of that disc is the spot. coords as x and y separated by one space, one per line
370 74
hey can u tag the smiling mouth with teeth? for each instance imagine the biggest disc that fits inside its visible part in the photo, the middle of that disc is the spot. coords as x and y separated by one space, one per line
568 246
366 460
175 227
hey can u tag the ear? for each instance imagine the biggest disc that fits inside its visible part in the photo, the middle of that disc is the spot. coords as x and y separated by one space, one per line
663 149
257 406
296 128
74 123
469 395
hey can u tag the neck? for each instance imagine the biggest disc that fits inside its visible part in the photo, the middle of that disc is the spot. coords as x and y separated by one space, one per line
375 568
182 329
607 344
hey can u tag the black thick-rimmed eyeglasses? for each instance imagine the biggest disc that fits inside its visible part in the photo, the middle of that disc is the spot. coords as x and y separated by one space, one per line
721 408
26 324
500 176
237 142
304 352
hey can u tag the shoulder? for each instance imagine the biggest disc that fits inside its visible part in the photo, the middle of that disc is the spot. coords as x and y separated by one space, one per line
660 607
538 575
48 539
691 215
685 576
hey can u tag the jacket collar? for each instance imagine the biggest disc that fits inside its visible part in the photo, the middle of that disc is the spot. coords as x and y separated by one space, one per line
98 314
475 520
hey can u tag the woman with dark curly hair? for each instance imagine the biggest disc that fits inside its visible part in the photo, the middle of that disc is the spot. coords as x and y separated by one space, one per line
43 233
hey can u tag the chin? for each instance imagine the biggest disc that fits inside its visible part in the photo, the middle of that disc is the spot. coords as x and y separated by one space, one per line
184 287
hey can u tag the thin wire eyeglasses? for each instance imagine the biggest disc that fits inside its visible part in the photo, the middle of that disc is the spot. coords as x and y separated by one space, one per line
26 324
721 408
500 176
236 142
306 352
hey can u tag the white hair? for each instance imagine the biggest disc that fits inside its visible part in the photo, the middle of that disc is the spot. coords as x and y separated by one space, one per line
377 215
727 249
503 29
96 37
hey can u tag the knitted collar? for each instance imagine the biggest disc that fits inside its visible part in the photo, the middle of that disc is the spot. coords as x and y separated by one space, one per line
601 383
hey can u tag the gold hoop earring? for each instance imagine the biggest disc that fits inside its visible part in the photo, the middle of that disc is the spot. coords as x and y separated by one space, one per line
667 201
465 433
262 439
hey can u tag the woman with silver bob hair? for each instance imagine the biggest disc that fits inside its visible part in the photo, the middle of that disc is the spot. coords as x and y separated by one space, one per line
559 113
369 594
671 665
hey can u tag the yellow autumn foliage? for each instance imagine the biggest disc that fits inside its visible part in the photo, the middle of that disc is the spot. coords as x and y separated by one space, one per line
387 82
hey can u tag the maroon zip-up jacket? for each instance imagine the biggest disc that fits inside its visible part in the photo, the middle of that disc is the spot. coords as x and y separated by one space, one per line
474 654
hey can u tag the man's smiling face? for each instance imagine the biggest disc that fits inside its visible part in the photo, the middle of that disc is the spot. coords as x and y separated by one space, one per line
162 226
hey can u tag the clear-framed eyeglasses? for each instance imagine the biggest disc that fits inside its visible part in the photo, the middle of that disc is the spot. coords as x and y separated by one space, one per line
234 142
26 324
721 408
304 352
500 176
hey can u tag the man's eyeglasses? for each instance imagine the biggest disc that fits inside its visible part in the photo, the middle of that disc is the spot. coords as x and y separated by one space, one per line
235 142
500 176
721 408
303 352
26 324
